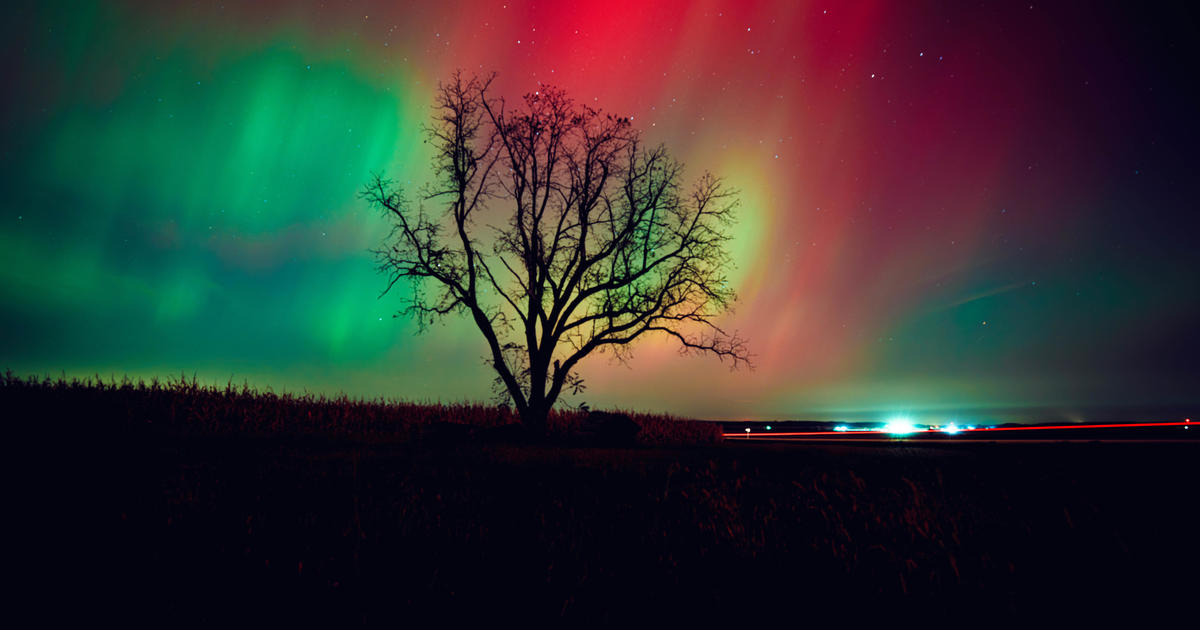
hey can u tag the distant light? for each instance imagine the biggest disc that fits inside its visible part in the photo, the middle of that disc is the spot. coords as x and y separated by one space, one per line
899 426
843 428
951 429
768 427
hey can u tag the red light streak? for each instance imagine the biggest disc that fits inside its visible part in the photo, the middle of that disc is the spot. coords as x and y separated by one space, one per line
961 431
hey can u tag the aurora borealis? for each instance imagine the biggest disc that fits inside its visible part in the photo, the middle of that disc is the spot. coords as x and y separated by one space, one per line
943 206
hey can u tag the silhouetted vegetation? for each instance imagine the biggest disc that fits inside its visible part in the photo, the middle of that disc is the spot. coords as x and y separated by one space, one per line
184 407
558 233
227 505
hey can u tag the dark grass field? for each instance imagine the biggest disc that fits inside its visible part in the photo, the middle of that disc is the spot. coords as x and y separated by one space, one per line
171 522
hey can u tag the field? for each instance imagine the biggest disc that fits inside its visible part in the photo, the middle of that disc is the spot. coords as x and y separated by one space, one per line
242 509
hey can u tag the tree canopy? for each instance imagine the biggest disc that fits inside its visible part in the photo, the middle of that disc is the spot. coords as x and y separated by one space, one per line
559 232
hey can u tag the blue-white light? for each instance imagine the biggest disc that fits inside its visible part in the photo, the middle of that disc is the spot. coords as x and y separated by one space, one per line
951 429
841 427
899 426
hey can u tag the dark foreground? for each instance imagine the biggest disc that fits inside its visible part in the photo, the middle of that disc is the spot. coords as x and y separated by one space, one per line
272 530
164 505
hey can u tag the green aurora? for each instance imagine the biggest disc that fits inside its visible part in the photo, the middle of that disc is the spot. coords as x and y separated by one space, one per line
182 200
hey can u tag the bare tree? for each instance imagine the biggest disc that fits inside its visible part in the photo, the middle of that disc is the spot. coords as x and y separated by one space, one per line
559 233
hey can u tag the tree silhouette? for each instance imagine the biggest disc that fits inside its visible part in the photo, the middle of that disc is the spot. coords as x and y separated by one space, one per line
558 233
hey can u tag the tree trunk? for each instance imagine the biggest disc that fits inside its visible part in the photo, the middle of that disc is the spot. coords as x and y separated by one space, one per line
535 420
539 406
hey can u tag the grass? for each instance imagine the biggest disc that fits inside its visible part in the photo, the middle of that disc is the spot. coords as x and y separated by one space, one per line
250 510
182 407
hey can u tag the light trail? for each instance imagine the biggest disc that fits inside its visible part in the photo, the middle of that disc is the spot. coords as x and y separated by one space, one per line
960 431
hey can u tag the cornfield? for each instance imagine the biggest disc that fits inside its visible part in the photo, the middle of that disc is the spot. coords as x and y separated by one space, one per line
187 407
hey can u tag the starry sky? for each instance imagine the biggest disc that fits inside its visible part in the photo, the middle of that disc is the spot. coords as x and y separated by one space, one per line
945 206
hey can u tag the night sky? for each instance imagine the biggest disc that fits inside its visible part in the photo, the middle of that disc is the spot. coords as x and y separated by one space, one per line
944 206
